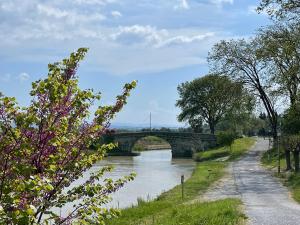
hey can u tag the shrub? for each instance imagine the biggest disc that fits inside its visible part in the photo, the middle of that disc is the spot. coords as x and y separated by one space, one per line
225 138
44 148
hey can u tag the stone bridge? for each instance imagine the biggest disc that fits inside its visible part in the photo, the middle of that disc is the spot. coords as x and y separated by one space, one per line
182 144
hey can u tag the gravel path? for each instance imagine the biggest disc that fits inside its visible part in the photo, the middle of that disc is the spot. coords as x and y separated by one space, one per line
266 200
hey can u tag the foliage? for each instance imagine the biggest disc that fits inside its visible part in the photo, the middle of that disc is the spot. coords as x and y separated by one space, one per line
138 148
291 120
279 48
240 120
238 59
291 142
225 138
208 99
239 147
44 148
281 9
291 180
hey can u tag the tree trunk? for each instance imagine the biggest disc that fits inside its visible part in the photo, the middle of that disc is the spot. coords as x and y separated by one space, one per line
288 160
296 160
212 127
274 134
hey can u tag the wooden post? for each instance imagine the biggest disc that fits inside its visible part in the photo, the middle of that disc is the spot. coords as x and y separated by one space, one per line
278 152
182 186
296 158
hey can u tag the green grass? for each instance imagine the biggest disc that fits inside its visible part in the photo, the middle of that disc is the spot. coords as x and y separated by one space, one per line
170 209
289 179
239 147
293 182
270 158
211 154
213 213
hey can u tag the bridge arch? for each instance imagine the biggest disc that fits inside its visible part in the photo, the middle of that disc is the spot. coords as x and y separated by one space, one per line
182 144
152 141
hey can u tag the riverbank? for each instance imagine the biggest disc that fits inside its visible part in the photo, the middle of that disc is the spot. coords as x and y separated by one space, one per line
290 179
170 208
151 143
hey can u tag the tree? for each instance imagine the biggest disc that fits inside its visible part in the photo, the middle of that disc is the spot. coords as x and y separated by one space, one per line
279 46
207 99
238 59
291 143
44 148
281 9
291 120
238 119
290 129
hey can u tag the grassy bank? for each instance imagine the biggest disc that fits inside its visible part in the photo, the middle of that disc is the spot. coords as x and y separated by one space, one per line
239 147
170 209
149 142
289 179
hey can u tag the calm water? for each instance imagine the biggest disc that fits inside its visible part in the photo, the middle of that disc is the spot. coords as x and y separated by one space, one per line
156 172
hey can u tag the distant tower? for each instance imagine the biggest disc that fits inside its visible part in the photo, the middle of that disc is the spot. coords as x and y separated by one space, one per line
150 122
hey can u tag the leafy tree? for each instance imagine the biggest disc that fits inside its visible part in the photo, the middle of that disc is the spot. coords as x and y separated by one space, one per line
291 143
207 99
44 148
238 119
279 49
196 124
291 120
238 58
279 46
281 9
290 129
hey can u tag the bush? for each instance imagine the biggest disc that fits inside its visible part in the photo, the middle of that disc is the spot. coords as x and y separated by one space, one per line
45 147
225 138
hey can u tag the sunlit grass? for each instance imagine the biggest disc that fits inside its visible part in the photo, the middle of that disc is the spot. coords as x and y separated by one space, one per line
290 179
171 209
238 148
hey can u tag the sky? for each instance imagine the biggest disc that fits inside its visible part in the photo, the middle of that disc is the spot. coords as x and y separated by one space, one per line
159 43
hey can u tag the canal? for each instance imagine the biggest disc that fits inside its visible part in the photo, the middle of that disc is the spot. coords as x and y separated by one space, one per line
156 172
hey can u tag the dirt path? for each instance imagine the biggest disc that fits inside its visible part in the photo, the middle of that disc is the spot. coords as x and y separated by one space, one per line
266 200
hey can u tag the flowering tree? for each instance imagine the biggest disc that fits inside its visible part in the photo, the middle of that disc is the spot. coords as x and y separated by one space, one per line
44 148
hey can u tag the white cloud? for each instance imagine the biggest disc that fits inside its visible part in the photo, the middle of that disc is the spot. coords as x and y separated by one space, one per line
48 29
71 17
116 14
178 40
23 77
138 34
52 20
182 4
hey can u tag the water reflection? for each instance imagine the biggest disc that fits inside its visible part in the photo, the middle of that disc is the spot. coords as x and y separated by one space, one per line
156 172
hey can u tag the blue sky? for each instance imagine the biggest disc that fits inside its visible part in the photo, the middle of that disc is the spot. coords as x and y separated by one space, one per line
160 43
